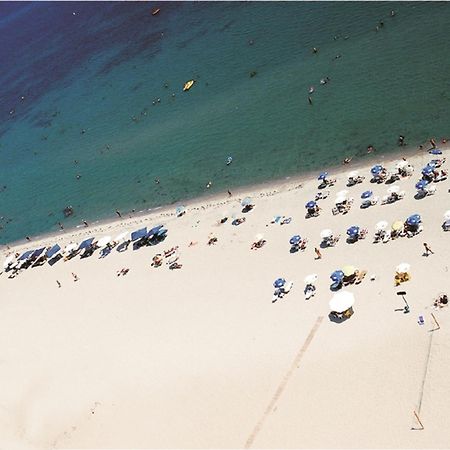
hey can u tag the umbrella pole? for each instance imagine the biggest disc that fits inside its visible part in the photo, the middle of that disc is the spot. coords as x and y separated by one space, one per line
418 420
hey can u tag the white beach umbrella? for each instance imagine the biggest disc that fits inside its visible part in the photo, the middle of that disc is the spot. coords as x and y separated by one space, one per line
342 301
325 234
8 261
70 247
447 215
381 225
340 199
401 164
342 193
259 237
403 268
104 241
393 189
121 236
353 174
310 279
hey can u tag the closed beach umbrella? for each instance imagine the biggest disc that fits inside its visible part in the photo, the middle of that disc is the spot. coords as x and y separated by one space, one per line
342 301
340 199
105 240
375 170
366 194
310 279
353 174
279 282
121 237
348 270
322 176
401 164
353 231
447 215
337 275
381 225
420 186
393 189
403 268
397 225
325 234
295 240
247 201
311 204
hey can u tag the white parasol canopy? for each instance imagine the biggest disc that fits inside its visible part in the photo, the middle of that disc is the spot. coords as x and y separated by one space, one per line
325 234
342 301
447 215
104 241
401 164
8 261
259 237
381 225
393 189
342 193
353 174
403 268
340 199
70 247
121 236
310 279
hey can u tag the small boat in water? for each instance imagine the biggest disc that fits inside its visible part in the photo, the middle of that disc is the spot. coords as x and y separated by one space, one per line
155 11
229 160
188 85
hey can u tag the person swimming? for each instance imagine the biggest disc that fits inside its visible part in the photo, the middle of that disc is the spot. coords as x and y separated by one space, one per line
229 160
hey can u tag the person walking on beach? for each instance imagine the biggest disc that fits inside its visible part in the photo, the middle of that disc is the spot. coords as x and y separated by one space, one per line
428 250
401 140
75 277
58 283
229 193
318 254
85 223
118 213
310 100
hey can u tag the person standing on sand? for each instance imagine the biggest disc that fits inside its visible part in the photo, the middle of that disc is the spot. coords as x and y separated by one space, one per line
318 254
229 193
118 213
428 250
58 283
85 223
75 277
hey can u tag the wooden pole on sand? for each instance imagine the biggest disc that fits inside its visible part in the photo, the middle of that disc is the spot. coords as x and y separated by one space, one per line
437 323
418 420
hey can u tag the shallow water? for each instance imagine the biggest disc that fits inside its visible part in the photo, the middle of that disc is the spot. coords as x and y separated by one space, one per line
102 69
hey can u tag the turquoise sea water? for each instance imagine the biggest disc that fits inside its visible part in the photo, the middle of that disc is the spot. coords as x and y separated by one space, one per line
91 81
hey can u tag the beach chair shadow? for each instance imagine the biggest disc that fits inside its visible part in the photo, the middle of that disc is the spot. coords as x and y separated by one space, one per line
336 286
420 195
123 246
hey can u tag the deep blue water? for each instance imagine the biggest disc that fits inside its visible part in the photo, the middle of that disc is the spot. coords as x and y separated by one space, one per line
84 87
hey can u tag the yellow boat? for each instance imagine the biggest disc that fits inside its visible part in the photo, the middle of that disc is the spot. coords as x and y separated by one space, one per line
188 85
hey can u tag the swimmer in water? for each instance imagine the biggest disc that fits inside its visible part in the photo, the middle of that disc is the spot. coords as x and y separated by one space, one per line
310 100
370 149
346 160
209 184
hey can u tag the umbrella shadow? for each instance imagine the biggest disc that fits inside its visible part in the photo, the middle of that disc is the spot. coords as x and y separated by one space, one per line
294 249
336 319
247 209
351 240
336 286
420 195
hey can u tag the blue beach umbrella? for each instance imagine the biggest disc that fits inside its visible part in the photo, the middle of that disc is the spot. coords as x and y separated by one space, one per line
433 163
38 252
154 231
86 243
26 255
375 170
337 275
279 282
138 234
414 220
295 240
52 251
353 231
366 194
322 176
435 151
427 170
311 204
420 186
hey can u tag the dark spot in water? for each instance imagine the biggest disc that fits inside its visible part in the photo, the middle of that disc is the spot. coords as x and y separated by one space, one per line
227 25
135 87
186 42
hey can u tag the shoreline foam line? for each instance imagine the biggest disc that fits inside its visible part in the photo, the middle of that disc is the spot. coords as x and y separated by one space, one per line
283 383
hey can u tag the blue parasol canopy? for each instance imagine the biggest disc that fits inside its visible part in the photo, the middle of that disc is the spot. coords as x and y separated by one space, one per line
435 151
420 186
279 282
353 231
322 176
86 243
138 234
414 220
427 170
38 252
366 194
26 255
311 204
154 231
295 240
375 170
52 251
337 275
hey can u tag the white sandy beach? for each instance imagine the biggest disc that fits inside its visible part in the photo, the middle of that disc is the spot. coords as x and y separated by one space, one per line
200 357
